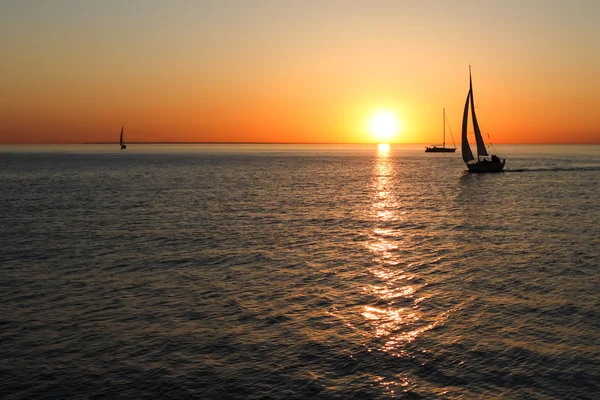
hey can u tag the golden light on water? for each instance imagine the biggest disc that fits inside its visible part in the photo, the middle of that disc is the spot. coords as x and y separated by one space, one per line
394 283
396 325
397 289
383 148
387 319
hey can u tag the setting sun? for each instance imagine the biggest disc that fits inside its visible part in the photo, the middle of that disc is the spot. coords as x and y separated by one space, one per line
383 125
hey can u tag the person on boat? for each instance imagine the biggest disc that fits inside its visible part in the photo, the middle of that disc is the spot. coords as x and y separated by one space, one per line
495 159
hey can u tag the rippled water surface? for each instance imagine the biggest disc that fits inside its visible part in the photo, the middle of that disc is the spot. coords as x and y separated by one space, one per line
247 272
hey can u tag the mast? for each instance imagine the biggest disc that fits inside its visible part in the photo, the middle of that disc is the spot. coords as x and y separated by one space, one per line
444 123
481 150
121 138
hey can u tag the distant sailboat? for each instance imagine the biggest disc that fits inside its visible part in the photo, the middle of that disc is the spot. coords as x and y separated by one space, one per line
443 149
123 147
483 163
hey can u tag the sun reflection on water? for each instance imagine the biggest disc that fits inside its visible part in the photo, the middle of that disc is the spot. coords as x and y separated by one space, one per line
391 322
394 316
384 148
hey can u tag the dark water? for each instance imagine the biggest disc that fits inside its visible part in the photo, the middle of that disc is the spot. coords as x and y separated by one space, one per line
289 272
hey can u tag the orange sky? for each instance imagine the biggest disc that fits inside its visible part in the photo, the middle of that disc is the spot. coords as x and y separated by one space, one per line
271 71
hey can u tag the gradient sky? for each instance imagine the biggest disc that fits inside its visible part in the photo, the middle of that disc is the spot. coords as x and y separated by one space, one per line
296 71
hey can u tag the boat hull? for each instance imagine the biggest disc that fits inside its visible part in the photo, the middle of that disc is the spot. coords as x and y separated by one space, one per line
481 167
439 150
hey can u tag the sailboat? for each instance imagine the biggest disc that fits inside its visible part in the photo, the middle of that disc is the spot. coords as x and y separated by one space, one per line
123 147
482 163
443 149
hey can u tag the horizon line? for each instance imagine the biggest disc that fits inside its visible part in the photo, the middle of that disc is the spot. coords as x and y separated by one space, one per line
285 143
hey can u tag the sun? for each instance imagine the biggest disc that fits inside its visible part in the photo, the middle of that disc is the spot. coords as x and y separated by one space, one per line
383 125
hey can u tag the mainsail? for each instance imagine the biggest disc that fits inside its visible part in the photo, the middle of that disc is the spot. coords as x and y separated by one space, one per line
467 154
481 151
121 139
466 149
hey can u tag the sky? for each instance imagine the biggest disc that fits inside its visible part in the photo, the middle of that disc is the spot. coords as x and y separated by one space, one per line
302 71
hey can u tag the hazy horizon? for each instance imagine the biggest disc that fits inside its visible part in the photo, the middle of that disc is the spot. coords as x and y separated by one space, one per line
116 143
310 72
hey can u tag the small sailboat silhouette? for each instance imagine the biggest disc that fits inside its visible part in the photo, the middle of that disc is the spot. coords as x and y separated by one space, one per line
443 148
123 147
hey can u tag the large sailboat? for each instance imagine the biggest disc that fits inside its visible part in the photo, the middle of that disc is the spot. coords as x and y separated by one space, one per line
123 147
443 149
485 162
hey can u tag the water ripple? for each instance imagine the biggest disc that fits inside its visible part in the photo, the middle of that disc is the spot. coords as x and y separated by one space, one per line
357 274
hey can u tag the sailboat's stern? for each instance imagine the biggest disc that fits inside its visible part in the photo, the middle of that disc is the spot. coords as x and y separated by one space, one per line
486 166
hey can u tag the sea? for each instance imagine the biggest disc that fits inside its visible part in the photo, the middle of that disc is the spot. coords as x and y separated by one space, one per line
298 272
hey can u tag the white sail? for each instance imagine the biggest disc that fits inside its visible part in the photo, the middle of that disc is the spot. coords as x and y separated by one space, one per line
481 151
467 154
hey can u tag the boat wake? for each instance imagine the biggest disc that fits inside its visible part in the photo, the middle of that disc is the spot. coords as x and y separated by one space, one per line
554 169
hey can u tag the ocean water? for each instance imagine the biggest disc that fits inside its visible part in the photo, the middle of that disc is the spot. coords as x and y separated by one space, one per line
298 272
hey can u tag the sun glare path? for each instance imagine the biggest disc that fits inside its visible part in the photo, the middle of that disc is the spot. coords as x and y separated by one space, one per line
383 148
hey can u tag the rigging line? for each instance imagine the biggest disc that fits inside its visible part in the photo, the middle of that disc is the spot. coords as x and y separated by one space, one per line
450 129
492 144
482 111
